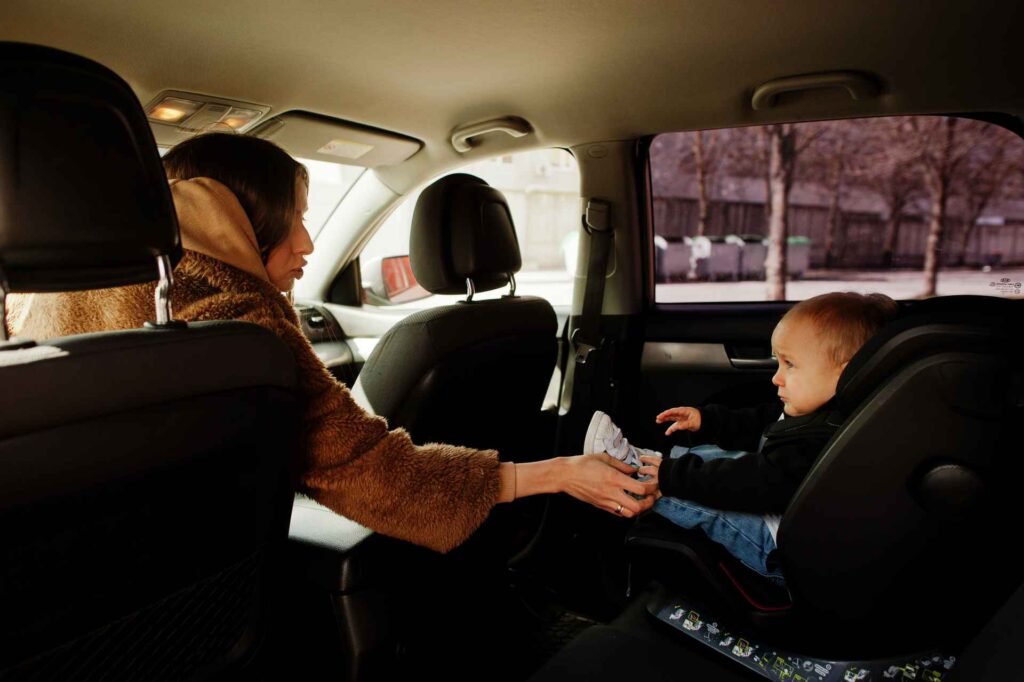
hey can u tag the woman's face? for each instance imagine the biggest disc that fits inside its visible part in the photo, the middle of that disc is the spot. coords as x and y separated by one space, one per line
286 260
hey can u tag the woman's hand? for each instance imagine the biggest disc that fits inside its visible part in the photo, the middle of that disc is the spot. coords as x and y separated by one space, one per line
682 418
603 481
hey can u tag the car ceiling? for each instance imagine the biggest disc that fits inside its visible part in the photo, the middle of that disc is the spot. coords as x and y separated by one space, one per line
578 70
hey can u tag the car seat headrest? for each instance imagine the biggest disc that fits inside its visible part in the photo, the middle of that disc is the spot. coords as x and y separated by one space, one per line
462 230
84 202
930 326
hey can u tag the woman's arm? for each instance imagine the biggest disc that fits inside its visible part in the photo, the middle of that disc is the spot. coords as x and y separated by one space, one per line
597 479
435 495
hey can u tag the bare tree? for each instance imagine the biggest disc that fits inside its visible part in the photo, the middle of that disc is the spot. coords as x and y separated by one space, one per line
705 156
784 149
832 157
901 186
984 177
940 158
889 165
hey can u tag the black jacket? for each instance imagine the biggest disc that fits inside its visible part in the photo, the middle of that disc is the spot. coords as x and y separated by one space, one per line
762 481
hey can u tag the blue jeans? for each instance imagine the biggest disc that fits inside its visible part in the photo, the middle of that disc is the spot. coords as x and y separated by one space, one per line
745 536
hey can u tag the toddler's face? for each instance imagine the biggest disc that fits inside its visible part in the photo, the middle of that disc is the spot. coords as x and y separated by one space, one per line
807 376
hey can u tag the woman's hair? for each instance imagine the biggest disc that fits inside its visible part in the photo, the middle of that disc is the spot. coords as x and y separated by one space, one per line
258 172
844 321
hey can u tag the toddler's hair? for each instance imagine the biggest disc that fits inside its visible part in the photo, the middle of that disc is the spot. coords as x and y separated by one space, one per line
844 321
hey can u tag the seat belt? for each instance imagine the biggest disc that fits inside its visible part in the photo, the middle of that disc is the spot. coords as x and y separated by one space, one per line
586 338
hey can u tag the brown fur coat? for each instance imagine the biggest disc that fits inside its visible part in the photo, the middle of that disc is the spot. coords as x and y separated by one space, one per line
432 495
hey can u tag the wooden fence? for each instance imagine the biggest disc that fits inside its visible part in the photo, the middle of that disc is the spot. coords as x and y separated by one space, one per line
859 240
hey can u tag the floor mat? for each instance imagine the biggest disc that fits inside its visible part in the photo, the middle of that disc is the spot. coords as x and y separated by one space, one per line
551 637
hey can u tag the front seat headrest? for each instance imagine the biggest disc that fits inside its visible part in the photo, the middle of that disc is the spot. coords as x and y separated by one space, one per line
462 229
84 202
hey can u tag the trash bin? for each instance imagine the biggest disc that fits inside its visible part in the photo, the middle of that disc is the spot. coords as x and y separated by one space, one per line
720 256
673 260
700 251
798 256
754 251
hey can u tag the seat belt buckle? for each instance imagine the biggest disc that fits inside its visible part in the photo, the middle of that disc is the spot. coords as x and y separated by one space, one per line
583 351
583 348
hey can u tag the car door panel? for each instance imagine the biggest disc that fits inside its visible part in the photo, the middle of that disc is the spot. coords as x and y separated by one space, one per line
693 355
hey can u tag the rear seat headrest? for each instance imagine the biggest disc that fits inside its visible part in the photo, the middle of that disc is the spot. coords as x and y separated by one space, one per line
84 202
462 229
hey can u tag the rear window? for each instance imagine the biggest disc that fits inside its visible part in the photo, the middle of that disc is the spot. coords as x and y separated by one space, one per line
912 207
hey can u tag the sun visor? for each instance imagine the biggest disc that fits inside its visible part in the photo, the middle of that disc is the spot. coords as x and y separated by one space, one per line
310 136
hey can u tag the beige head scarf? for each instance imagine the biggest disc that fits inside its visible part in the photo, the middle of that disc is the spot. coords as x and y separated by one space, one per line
213 223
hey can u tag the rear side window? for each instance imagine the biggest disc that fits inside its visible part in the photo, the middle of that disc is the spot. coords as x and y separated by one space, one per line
912 206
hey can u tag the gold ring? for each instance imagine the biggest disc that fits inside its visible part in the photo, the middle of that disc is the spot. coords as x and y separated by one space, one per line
619 509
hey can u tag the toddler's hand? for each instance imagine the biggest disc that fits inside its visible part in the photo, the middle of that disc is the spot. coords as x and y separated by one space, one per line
648 473
682 418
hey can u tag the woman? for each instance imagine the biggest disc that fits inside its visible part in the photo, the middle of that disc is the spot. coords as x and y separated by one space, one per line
240 204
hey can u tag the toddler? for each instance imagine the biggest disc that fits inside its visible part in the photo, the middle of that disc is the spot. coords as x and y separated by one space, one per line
737 498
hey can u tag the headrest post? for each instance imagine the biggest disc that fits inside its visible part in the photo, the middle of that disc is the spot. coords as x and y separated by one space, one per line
470 290
512 284
3 304
164 314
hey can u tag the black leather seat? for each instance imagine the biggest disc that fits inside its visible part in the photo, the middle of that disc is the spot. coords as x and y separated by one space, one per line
144 487
903 533
474 373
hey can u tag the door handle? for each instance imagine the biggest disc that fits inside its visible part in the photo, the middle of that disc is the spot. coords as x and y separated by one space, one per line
754 363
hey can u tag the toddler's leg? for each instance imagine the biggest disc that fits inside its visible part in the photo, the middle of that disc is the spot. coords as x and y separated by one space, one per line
705 452
745 536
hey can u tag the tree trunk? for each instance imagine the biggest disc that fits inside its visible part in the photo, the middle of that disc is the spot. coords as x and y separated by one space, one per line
834 213
940 179
933 245
781 156
965 237
702 184
766 152
892 235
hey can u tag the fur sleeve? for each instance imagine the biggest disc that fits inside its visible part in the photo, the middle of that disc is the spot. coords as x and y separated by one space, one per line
433 495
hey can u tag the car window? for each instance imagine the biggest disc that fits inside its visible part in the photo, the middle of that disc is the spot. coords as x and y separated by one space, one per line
543 189
328 183
910 206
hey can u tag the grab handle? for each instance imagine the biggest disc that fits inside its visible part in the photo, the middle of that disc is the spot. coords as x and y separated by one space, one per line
856 84
462 138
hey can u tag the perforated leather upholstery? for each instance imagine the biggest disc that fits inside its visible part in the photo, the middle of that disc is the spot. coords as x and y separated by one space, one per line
144 483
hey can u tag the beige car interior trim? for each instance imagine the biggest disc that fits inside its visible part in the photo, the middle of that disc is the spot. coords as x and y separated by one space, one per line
611 70
335 141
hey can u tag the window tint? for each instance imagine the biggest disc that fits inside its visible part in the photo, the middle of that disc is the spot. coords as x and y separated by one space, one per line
542 188
908 206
